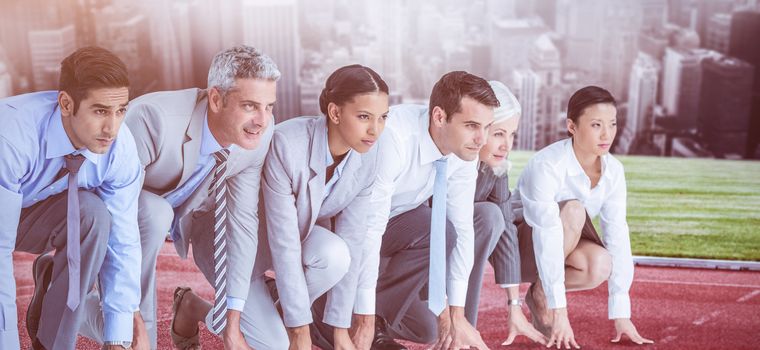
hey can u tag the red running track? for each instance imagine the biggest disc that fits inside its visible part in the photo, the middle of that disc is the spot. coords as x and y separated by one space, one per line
678 308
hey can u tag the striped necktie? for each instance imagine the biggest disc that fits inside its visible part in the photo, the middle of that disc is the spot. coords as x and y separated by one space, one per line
219 191
437 277
73 163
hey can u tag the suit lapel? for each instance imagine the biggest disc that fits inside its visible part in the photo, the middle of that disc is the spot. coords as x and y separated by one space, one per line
192 146
346 182
317 166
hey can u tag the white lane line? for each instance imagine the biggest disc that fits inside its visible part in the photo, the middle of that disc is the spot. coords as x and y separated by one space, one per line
749 296
668 339
700 321
700 283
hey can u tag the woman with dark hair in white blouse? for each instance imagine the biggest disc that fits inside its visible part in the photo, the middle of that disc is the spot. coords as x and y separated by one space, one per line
562 187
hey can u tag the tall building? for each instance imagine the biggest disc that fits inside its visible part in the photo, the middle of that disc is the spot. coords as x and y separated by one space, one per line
545 62
526 84
745 34
682 83
272 27
127 34
718 32
19 18
642 96
725 103
171 38
510 43
47 48
601 39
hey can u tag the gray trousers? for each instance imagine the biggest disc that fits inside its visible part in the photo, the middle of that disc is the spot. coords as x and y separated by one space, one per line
154 218
42 228
261 324
401 292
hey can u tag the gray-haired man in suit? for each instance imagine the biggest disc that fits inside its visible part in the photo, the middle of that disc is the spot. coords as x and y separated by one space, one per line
186 140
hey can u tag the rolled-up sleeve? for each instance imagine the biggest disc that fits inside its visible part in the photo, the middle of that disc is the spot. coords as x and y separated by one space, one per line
538 187
617 241
120 273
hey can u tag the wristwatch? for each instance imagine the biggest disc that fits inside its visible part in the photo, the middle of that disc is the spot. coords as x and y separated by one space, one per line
124 344
517 302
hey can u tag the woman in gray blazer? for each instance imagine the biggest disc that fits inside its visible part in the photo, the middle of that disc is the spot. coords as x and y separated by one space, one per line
493 186
317 183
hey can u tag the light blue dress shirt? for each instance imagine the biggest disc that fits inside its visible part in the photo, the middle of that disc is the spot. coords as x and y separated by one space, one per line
32 145
205 165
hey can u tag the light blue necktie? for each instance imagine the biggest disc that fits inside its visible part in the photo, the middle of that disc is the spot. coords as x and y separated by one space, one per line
437 278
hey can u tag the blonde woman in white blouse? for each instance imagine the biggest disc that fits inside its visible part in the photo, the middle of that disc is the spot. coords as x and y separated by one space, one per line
562 187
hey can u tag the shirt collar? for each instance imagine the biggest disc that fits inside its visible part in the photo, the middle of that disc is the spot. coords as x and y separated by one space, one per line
429 152
58 142
209 145
329 159
575 168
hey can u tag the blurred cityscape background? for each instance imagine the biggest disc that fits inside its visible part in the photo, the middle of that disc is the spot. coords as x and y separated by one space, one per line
686 73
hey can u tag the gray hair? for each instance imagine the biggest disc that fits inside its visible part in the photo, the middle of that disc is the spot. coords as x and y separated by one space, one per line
240 62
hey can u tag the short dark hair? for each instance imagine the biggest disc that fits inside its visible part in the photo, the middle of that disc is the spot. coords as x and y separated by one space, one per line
348 81
453 86
90 68
587 97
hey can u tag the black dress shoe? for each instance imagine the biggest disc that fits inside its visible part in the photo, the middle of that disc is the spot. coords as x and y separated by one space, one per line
383 341
42 270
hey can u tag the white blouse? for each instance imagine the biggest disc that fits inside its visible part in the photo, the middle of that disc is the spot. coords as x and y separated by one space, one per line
554 175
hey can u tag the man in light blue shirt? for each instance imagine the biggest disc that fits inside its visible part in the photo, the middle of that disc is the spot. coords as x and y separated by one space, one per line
79 124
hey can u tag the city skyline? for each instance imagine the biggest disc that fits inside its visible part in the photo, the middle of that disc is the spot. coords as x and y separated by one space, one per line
661 59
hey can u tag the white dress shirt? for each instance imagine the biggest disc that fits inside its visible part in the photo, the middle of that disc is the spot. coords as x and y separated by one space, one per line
554 175
404 181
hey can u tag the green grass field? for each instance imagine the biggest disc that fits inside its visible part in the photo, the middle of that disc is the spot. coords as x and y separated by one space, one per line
696 208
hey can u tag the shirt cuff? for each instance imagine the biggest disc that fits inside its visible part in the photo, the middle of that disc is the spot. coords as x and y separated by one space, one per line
365 302
457 293
508 285
555 295
236 304
117 326
619 306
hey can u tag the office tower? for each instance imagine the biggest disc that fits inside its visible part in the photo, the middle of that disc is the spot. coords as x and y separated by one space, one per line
272 27
642 95
725 104
682 83
718 32
19 18
47 49
601 40
745 44
545 62
509 42
525 84
126 33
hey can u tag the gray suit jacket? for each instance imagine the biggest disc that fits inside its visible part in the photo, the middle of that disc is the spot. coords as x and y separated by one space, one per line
293 188
505 258
167 127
